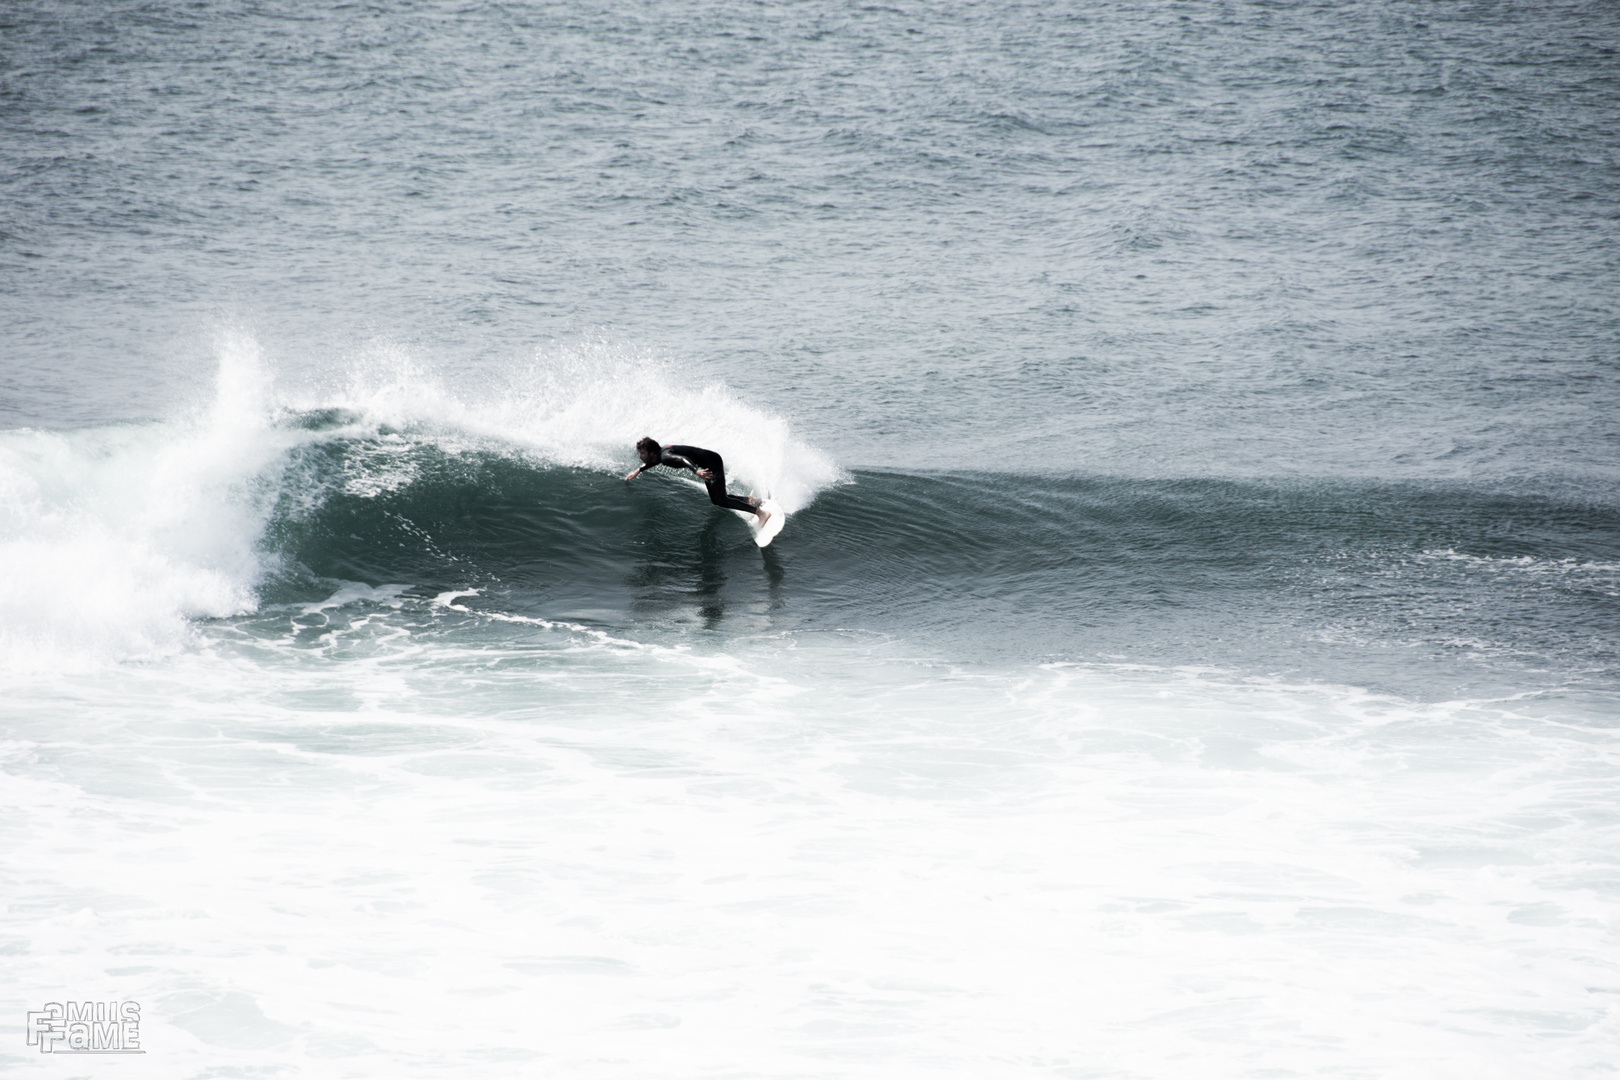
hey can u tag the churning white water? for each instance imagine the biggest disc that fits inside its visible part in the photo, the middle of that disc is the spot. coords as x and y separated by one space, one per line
587 857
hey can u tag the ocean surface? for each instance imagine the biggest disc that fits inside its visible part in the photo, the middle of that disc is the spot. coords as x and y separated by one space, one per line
1193 650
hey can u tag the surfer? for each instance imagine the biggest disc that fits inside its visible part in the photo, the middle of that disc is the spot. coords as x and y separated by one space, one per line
709 468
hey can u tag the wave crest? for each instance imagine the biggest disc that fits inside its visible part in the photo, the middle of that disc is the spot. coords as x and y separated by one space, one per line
115 538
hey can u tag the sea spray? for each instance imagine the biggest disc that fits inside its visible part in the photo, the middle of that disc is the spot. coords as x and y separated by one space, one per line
581 403
114 538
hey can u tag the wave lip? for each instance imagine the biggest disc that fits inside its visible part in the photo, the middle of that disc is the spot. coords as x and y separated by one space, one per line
582 405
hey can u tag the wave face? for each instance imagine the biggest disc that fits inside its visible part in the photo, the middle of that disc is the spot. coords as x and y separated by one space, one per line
1306 577
127 533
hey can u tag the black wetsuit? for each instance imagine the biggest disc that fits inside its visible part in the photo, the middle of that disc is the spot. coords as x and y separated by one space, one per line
695 458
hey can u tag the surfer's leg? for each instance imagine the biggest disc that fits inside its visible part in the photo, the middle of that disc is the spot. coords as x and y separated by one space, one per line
718 496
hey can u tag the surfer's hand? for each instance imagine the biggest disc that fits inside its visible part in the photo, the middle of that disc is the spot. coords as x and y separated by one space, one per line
633 474
704 474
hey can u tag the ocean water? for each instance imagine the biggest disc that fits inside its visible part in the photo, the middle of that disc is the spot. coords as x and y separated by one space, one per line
1193 649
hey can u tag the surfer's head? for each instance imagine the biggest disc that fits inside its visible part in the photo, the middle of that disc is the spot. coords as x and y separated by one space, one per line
649 451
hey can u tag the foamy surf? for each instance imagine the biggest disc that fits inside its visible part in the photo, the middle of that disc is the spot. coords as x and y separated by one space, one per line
583 858
114 538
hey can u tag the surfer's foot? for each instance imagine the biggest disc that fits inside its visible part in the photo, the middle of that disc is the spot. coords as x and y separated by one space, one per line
764 516
753 500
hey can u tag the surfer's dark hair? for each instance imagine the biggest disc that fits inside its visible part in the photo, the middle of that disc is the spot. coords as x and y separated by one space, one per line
647 446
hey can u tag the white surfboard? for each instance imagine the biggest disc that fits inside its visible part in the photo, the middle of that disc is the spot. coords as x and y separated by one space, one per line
764 534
